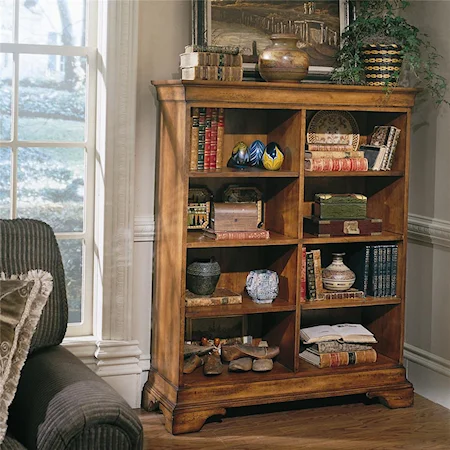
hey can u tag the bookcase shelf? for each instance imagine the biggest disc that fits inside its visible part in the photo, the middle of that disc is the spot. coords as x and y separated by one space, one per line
281 113
350 303
388 173
384 237
196 239
197 379
249 172
246 307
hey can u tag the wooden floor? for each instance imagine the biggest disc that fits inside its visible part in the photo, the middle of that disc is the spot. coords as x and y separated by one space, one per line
348 423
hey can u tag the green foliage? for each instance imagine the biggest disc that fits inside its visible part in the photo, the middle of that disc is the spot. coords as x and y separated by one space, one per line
379 22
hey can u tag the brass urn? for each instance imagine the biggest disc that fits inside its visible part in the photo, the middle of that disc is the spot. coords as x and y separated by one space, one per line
283 61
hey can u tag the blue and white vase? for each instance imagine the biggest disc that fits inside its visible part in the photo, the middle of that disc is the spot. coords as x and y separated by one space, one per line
262 285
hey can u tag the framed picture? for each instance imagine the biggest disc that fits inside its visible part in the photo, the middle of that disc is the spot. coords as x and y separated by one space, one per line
249 25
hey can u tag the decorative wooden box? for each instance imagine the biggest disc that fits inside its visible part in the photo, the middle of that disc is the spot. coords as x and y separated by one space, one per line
340 206
199 207
245 194
234 216
327 228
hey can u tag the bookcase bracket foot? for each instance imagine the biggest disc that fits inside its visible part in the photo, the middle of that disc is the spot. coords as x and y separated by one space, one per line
395 398
149 401
179 422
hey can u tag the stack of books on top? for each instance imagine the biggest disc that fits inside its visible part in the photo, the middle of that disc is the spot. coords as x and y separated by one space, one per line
211 63
381 148
334 157
337 345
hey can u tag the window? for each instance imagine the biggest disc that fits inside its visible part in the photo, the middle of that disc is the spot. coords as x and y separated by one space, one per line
47 131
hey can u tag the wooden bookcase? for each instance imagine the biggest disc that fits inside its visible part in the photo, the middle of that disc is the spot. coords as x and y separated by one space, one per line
272 112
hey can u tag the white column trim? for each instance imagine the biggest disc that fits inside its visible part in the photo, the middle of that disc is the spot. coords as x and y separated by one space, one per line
144 362
119 363
429 230
118 50
144 228
118 358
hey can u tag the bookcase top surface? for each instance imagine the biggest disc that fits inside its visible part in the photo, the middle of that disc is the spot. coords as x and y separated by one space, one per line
317 95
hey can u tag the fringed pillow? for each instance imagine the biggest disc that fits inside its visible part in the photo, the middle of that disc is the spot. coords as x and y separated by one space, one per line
22 299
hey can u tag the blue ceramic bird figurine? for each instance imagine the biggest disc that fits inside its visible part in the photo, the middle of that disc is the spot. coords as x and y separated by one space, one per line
239 157
256 150
272 157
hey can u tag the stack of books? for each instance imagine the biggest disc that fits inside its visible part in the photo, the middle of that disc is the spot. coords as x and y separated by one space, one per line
381 148
211 63
334 157
207 134
337 345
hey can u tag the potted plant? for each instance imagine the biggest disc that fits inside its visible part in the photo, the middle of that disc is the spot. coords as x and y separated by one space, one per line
379 34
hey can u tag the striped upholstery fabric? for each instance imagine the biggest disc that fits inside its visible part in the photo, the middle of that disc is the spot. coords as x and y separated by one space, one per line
27 244
11 444
62 404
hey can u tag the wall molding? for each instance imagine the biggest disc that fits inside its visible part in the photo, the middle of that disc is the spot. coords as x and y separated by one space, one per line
144 228
427 359
119 363
429 230
429 373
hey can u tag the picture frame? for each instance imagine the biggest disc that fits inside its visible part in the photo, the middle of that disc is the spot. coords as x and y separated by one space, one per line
248 25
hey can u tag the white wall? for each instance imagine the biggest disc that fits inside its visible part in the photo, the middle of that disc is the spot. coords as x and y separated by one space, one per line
164 30
427 348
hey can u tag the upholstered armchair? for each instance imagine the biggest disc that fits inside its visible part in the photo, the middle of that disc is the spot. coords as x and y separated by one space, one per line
59 402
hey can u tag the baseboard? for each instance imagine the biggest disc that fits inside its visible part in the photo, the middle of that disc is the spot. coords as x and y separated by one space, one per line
430 374
117 362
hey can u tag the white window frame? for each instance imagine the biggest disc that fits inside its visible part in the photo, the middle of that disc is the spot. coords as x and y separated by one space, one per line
86 326
109 350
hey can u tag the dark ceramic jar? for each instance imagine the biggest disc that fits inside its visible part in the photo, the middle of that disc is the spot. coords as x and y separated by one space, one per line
202 277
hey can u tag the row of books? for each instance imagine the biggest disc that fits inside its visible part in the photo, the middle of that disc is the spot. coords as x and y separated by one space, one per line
207 135
211 63
377 154
381 148
375 268
334 158
337 345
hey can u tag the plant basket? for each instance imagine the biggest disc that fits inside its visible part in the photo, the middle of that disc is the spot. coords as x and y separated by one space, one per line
382 64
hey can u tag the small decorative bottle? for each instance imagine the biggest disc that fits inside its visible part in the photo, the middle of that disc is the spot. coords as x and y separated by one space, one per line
337 276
